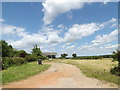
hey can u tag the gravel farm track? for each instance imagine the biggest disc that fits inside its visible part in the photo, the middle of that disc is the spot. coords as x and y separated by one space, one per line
60 75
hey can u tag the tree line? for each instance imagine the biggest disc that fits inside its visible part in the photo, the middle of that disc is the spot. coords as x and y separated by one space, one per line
74 56
12 57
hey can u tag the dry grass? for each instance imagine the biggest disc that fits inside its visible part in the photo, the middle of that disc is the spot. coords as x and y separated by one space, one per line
99 68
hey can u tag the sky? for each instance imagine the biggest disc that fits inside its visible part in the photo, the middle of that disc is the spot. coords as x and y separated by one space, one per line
63 27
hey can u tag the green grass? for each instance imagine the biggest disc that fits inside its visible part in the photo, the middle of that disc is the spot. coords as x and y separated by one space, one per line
22 72
99 69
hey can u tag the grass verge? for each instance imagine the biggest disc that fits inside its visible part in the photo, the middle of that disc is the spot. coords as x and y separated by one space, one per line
99 69
22 72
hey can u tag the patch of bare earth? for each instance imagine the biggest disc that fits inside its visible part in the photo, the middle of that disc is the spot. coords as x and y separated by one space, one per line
60 75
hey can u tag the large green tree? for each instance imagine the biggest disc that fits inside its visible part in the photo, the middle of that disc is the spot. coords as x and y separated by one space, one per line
7 50
36 50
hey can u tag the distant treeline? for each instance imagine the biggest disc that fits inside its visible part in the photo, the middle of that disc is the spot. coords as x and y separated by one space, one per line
90 57
93 57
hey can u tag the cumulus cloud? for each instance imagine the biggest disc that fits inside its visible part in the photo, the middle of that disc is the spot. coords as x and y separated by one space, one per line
63 46
53 8
52 37
70 47
112 46
96 49
101 39
12 30
79 31
28 41
102 43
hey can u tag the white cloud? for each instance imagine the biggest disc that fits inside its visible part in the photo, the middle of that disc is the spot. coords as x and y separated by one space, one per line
8 29
79 31
96 49
70 47
63 46
50 37
112 46
28 41
61 26
2 20
101 45
53 37
53 8
112 23
112 20
106 38
12 30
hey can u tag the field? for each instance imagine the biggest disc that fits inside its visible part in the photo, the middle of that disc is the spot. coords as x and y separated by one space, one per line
99 69
22 72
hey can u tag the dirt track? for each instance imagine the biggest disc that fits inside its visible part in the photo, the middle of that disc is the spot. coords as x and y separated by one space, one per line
60 75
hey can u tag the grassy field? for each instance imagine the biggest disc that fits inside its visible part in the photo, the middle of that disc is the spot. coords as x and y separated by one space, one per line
99 69
22 72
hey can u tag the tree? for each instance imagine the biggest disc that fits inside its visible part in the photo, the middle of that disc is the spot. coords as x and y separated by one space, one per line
74 55
37 51
7 50
64 55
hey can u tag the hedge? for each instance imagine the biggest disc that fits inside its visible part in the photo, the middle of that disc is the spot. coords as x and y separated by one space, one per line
12 61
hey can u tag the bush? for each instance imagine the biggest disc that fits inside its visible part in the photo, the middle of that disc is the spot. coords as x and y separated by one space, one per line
34 57
31 58
116 57
115 71
11 61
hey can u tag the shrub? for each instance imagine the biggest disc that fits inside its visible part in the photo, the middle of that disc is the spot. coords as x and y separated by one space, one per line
115 70
31 58
34 57
11 61
116 57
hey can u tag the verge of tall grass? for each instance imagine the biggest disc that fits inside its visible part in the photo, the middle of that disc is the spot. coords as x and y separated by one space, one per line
99 69
22 72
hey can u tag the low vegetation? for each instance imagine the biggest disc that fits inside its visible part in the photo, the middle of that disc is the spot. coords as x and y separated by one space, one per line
8 62
21 72
99 69
116 69
18 64
13 57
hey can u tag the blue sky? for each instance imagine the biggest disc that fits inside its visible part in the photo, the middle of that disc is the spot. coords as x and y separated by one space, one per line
67 27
